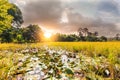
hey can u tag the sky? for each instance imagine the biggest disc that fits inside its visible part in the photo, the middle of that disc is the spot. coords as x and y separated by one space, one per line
66 16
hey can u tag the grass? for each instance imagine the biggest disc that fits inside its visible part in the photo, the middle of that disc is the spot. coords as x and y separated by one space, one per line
10 53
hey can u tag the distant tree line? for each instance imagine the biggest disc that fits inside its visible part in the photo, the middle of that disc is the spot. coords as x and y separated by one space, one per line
83 35
11 20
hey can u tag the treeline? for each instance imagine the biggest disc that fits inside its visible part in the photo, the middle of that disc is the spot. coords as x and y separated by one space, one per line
31 33
74 37
84 34
11 20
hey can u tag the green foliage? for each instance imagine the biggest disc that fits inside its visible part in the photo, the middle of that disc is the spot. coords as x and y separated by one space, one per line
84 35
6 36
64 37
32 33
103 38
17 15
17 35
69 71
10 17
74 37
5 18
91 38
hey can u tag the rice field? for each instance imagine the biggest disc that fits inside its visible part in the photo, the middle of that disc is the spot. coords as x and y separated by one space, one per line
60 61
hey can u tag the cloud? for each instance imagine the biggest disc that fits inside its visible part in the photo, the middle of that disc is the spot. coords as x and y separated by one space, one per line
18 2
76 20
43 12
109 6
79 13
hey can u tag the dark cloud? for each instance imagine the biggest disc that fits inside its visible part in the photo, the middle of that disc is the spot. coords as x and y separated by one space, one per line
48 14
109 6
76 20
44 12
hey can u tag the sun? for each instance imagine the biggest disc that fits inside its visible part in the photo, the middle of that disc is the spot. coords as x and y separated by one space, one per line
47 35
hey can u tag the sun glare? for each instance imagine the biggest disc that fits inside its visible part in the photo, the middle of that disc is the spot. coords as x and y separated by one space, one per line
47 35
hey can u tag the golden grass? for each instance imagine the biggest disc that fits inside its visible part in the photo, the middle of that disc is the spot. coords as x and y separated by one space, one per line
107 49
110 50
91 47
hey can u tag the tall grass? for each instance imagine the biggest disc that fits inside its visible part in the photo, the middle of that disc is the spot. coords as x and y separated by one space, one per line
89 48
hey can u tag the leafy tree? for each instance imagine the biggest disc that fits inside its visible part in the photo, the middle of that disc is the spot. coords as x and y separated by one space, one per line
10 15
6 36
72 37
83 32
117 37
95 33
5 18
91 38
17 35
103 38
64 37
17 16
32 33
12 35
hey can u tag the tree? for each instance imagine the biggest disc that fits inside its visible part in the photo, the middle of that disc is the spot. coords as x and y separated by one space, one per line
103 38
95 33
10 15
64 37
12 35
7 36
91 38
117 37
32 33
17 35
71 37
83 32
5 18
5 21
17 16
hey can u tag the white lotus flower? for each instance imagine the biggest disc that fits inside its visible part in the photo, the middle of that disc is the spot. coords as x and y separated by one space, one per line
42 73
25 51
37 68
64 59
34 59
59 51
77 56
107 72
50 51
44 66
51 71
31 73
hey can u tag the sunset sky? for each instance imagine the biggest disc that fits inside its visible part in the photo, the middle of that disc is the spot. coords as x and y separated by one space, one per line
66 16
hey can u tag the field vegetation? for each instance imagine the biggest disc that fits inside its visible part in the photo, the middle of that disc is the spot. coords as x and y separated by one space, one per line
60 60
